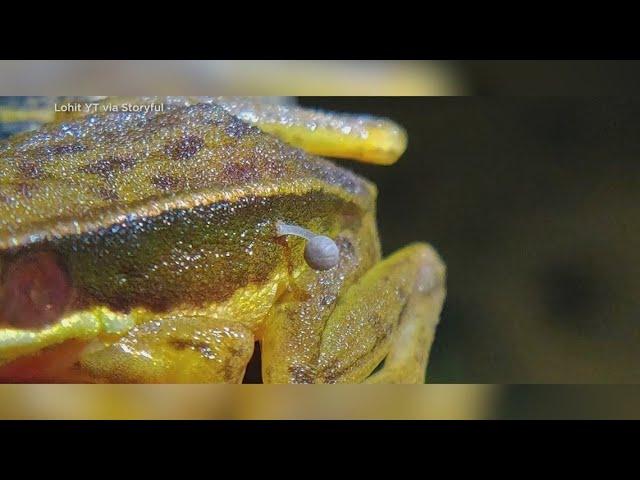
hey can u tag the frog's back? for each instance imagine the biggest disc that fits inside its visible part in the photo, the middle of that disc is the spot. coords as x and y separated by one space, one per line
74 177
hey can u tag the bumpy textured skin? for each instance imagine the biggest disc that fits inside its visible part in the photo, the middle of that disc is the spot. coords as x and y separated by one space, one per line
153 213
166 225
73 177
357 137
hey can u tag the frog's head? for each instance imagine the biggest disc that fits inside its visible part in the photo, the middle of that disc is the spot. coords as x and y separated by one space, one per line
111 219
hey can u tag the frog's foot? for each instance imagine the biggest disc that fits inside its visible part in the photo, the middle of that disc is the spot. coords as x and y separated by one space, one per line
408 354
175 349
386 319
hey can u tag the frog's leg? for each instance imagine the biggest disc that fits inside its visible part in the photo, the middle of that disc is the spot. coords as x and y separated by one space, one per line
357 137
175 349
389 313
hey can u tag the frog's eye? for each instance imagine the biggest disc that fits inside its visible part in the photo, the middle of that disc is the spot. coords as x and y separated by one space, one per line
321 252
35 291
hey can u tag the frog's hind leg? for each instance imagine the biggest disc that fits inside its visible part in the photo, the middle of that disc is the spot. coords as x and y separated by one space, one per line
411 342
174 349
389 314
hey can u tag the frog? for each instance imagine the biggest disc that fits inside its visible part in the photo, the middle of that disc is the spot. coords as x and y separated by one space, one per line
186 243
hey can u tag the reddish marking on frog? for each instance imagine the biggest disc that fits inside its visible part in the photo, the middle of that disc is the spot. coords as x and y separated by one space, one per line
58 363
35 291
185 148
107 166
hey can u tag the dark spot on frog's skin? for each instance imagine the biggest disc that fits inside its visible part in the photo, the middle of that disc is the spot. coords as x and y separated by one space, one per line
107 166
185 148
166 183
67 149
239 172
108 193
31 169
49 152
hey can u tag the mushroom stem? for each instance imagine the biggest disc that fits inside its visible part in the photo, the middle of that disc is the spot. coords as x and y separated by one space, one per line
320 252
286 229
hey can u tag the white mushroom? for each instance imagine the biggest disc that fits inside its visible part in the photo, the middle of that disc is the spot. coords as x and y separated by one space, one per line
320 253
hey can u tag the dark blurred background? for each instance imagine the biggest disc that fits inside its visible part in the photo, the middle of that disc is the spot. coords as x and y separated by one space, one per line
532 202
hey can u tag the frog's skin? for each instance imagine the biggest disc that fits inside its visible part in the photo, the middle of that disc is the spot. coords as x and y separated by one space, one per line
145 248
